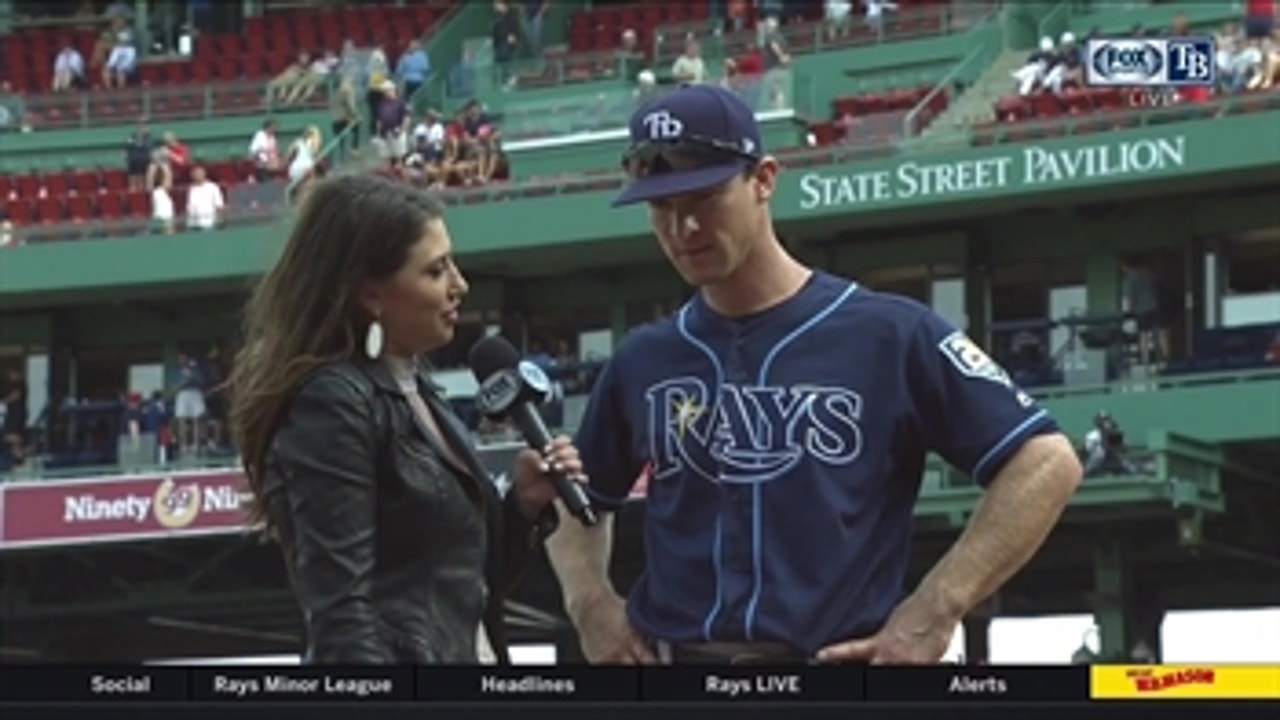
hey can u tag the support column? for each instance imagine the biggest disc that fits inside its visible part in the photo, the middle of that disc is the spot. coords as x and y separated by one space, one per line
1102 281
1111 598
514 318
617 322
977 631
977 289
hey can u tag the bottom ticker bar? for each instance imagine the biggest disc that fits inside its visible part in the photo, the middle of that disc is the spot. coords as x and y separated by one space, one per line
951 685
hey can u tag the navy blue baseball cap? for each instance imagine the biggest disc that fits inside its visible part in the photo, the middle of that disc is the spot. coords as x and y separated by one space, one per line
692 138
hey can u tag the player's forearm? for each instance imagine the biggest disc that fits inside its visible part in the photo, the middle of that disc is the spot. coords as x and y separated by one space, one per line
580 557
1010 523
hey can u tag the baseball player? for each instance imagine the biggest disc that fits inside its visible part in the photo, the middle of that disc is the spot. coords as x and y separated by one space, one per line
784 415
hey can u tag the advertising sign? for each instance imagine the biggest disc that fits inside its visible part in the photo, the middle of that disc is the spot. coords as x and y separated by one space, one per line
93 510
138 507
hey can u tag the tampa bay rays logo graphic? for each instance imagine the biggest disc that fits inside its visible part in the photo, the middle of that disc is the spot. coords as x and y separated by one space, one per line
749 434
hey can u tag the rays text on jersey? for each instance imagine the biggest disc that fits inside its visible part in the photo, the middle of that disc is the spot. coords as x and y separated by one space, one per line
749 433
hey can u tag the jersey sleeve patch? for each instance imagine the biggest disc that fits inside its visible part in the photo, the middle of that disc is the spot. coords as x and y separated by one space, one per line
971 360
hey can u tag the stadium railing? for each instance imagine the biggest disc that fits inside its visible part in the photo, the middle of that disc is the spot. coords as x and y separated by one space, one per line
951 86
555 69
196 101
531 124
812 37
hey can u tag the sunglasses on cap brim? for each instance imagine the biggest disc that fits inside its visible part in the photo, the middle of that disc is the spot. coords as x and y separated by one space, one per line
687 153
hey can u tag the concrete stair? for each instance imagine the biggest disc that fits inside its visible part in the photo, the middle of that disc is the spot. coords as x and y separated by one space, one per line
973 106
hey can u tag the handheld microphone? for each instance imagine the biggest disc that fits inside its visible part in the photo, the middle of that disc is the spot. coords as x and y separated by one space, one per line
510 388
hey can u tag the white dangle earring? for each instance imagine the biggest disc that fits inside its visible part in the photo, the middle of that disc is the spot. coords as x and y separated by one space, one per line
373 340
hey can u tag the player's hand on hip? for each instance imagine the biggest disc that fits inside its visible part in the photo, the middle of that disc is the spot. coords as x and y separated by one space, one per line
914 635
607 635
533 486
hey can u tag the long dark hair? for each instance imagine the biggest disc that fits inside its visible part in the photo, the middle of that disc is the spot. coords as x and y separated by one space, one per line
305 312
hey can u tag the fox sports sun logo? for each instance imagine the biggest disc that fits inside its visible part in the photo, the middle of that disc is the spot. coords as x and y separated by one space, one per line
1125 62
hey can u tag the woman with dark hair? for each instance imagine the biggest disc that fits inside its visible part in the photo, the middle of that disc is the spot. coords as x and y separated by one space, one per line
399 547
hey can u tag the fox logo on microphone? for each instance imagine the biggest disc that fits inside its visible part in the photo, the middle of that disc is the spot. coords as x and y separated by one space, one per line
502 390
1146 62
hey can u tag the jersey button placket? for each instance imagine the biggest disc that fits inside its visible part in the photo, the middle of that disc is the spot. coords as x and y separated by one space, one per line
736 520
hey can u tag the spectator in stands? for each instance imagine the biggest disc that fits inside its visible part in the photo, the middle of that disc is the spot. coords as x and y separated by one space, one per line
137 155
12 109
392 122
122 61
1259 19
213 369
413 68
293 82
1104 449
1140 299
179 155
429 138
689 67
630 58
160 184
417 172
188 403
15 417
1230 44
506 41
776 63
346 113
1273 350
350 64
484 139
118 10
460 155
1067 67
1267 73
204 201
535 11
302 157
376 75
737 15
68 69
836 15
264 152
1030 76
646 88
875 10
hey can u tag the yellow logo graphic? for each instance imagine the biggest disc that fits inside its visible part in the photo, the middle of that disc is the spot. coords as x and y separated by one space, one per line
176 505
1184 682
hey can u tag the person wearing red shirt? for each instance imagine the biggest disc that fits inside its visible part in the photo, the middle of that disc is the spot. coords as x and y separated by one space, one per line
1259 18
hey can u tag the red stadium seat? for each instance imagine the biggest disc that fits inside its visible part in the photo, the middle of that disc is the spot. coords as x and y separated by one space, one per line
109 207
18 210
138 204
50 210
80 207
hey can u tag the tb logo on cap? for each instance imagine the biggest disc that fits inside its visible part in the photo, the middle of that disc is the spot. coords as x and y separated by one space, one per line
662 126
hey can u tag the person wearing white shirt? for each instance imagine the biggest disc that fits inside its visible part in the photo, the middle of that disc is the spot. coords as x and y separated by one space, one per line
160 182
689 67
303 155
204 201
122 61
264 151
875 11
68 69
428 137
837 17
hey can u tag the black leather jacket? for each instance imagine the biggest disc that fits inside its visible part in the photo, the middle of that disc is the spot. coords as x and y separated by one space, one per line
389 543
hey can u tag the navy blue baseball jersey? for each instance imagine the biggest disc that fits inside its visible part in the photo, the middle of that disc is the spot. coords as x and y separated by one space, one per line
786 451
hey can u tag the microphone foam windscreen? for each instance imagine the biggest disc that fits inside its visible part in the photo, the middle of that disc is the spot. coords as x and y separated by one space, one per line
490 355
